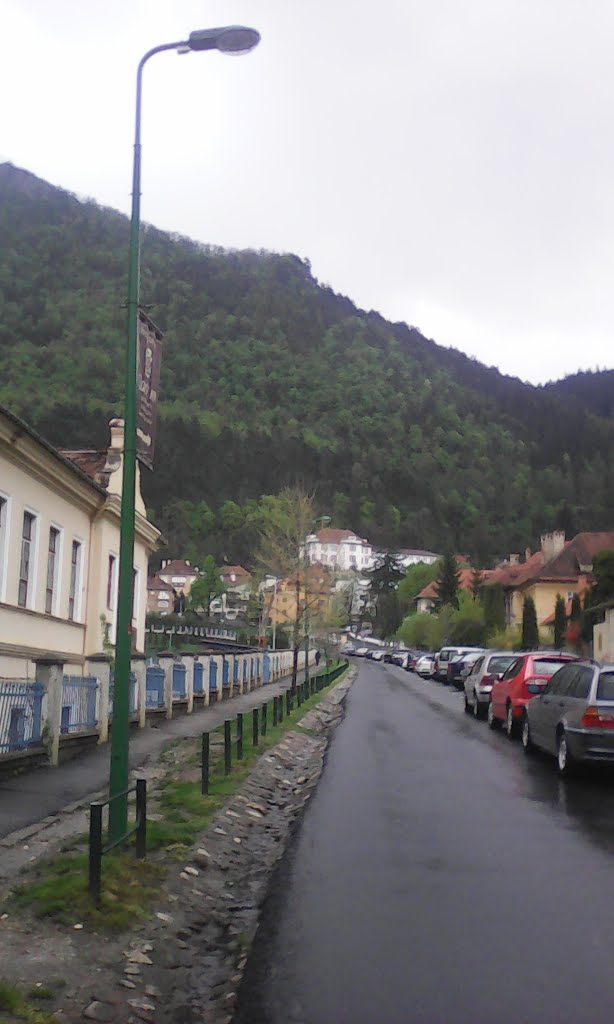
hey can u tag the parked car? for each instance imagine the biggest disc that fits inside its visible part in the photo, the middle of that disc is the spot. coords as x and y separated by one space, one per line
362 652
447 654
573 718
378 655
425 666
478 684
412 659
522 680
459 668
399 658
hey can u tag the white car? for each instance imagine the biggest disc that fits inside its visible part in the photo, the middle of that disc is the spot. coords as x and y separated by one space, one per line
425 666
377 656
361 652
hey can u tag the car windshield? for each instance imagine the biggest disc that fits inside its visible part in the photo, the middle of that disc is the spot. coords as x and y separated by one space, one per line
445 655
543 667
605 686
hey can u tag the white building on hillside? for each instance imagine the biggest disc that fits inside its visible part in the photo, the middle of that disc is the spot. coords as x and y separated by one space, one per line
339 549
413 556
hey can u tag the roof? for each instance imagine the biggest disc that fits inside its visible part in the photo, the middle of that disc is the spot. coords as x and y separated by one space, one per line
25 428
236 570
517 573
576 558
177 567
431 593
90 461
155 583
330 536
417 551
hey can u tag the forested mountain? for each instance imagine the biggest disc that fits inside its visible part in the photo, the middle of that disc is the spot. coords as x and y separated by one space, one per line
269 378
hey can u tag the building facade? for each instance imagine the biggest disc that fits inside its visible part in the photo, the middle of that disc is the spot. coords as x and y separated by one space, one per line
339 549
59 550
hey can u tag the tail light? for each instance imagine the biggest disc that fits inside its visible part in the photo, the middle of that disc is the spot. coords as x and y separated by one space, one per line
534 684
593 718
486 680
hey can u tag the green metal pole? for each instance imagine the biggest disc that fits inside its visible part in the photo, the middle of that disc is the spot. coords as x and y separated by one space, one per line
306 560
118 776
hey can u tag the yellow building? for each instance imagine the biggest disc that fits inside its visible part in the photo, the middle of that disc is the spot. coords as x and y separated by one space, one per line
59 550
285 603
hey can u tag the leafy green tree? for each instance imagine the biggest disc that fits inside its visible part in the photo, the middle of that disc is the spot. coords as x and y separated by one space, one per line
385 577
560 621
422 631
603 571
448 581
206 587
416 578
477 584
530 633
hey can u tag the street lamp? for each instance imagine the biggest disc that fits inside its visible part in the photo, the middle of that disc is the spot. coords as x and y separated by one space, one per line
233 39
325 520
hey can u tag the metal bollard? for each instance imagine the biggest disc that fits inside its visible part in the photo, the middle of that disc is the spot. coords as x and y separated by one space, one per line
255 727
274 711
141 818
264 717
288 704
239 736
280 708
95 862
227 748
204 765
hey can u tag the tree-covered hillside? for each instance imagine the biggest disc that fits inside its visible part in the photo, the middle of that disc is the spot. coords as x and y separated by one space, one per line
269 379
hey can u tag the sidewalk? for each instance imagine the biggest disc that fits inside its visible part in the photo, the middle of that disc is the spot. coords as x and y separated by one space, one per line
27 799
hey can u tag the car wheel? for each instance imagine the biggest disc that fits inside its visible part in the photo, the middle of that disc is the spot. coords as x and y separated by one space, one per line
493 723
564 758
477 711
467 706
527 743
510 723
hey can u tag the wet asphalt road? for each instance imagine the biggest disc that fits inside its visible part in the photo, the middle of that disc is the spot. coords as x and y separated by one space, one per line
439 876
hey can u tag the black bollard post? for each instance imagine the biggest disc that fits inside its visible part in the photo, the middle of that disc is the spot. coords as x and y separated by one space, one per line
280 708
255 729
274 711
227 748
264 717
239 736
204 765
288 705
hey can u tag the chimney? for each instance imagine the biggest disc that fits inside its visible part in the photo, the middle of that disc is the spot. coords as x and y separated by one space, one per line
186 562
552 544
514 559
116 427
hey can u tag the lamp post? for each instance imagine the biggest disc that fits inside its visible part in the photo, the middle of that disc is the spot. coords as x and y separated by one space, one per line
325 520
230 39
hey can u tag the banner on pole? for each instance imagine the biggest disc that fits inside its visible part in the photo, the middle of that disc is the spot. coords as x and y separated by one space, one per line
148 383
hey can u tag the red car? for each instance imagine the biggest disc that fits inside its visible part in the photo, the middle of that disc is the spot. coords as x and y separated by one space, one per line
526 676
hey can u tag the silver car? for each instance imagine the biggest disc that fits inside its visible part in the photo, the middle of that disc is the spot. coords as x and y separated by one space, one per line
478 684
573 718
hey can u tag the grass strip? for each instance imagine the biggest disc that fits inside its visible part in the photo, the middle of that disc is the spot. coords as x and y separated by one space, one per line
17 1008
56 887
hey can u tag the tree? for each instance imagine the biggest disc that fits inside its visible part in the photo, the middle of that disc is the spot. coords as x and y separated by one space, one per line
560 621
416 578
530 633
385 577
206 587
289 518
477 584
447 582
493 603
422 631
576 609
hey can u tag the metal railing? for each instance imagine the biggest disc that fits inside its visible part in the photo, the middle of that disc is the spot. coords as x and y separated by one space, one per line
20 714
78 704
96 846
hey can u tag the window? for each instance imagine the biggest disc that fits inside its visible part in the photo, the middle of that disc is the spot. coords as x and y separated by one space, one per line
582 684
4 530
26 564
111 581
75 581
605 687
53 559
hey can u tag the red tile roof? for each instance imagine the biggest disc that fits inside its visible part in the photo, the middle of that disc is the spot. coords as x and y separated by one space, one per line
237 570
155 583
90 461
177 567
430 592
330 536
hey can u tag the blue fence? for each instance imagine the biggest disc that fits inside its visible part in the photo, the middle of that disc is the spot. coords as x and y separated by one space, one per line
199 671
154 687
20 714
212 675
78 704
179 685
266 668
225 673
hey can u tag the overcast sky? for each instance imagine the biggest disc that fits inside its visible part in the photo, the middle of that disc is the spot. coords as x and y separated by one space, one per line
449 163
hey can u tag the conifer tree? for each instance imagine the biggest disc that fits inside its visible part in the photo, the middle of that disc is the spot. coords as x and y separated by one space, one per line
530 633
448 582
560 621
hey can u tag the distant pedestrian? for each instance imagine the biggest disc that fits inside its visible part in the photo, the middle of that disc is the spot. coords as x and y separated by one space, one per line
317 658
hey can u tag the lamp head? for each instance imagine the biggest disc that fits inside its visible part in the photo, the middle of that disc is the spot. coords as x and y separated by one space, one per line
230 39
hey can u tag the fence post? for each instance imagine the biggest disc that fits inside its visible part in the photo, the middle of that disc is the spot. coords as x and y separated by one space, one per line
239 736
264 716
51 675
99 665
280 708
188 661
95 855
288 703
227 748
141 818
165 661
274 711
139 667
204 765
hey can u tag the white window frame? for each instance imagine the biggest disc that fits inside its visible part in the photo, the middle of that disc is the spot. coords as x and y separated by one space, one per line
77 599
5 531
57 575
32 581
